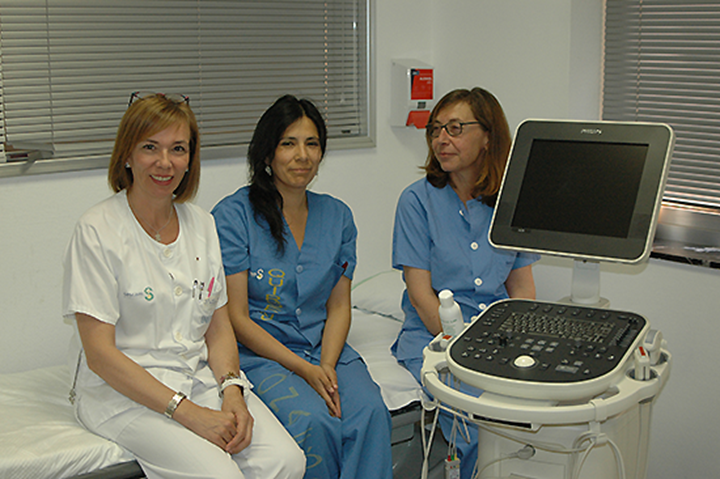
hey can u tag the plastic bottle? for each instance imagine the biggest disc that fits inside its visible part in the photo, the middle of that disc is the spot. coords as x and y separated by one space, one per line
450 314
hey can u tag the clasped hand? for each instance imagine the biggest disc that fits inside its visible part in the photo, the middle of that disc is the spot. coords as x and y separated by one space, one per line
323 379
230 429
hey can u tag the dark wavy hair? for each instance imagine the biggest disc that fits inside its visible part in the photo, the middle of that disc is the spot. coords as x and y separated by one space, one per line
486 110
265 199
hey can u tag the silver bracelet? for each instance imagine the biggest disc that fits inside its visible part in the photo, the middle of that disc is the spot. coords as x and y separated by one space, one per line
174 403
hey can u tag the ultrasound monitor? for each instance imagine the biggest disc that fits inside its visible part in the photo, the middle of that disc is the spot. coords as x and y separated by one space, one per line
586 190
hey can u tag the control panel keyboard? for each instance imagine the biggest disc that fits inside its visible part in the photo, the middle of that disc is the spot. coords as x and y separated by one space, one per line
541 342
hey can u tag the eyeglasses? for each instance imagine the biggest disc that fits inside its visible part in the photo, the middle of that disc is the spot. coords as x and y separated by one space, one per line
453 128
175 97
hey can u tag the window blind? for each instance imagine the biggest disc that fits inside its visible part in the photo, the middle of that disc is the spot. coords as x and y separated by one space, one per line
662 64
67 67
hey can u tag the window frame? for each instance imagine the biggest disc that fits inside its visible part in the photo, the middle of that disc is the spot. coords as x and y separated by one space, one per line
686 232
239 150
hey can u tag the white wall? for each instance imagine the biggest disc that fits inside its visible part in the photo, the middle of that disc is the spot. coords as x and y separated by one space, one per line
541 58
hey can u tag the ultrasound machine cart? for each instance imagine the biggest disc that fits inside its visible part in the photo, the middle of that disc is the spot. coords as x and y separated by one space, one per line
568 386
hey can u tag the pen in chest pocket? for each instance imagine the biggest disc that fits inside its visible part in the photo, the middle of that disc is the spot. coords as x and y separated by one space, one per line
210 286
199 287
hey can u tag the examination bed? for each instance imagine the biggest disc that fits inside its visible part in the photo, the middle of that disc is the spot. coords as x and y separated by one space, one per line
39 437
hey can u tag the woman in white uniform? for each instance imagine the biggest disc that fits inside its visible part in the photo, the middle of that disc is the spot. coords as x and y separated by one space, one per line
159 371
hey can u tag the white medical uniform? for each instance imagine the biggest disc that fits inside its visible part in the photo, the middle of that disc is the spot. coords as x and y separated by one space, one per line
161 299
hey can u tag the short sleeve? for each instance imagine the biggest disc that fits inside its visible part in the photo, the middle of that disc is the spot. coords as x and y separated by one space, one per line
411 235
231 221
348 249
89 282
525 259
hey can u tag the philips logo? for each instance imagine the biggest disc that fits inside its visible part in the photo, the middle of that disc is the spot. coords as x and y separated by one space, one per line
591 131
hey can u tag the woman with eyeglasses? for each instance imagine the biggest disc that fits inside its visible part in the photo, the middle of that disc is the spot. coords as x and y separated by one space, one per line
289 255
440 239
158 372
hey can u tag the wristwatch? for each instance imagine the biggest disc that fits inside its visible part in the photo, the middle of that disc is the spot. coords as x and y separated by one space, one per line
235 379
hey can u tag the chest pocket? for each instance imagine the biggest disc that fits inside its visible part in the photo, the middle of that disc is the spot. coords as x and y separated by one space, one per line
203 310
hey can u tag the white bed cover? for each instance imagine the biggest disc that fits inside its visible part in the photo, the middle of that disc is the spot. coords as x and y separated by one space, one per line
377 319
39 436
369 336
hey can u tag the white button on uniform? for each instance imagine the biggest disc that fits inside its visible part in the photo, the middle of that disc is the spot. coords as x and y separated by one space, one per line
478 282
298 311
167 252
178 290
482 306
474 245
178 336
299 268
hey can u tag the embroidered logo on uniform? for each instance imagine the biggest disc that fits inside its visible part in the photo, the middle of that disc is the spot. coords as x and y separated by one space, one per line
148 294
276 279
257 274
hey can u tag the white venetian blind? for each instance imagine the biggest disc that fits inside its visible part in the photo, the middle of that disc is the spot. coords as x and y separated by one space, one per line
662 64
69 66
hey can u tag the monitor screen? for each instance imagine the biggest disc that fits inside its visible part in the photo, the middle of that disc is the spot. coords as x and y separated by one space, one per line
588 190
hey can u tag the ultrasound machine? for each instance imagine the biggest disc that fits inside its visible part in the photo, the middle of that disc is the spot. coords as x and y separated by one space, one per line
568 385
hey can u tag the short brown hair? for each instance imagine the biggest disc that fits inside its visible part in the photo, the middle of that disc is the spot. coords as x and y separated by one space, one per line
144 118
487 111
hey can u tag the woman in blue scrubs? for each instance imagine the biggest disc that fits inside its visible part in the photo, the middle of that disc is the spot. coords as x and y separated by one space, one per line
440 240
289 256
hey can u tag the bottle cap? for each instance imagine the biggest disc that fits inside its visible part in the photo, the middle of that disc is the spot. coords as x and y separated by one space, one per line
446 298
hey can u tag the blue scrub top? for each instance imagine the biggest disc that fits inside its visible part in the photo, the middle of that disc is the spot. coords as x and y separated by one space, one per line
287 294
435 231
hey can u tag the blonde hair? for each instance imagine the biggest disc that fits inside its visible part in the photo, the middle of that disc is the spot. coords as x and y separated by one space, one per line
144 118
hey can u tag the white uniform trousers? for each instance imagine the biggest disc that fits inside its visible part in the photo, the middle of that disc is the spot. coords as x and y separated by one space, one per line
167 450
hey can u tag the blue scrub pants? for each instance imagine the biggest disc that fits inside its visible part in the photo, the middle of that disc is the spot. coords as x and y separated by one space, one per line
466 451
357 446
